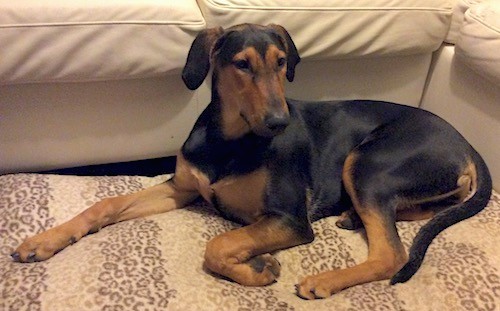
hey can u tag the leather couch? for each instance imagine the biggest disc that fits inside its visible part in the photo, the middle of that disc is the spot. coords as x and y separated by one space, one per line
98 82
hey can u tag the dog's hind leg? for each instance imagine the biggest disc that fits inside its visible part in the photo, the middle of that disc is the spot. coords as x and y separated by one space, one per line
175 193
386 254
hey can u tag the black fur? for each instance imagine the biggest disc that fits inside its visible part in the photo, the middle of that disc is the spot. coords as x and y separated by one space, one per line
198 61
401 152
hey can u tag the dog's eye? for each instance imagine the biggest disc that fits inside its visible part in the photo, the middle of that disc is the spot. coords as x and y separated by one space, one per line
242 64
281 62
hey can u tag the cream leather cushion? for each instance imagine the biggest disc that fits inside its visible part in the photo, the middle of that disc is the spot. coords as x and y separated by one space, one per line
343 28
459 9
84 40
478 45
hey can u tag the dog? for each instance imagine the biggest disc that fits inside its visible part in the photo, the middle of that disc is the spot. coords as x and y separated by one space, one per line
275 165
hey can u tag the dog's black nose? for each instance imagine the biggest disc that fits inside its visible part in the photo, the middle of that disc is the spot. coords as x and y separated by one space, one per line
277 123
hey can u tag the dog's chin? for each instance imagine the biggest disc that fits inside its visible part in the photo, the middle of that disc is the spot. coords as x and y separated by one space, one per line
267 132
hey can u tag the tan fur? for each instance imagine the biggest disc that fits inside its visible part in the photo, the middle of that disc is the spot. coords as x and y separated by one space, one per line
161 198
468 181
466 186
386 254
245 97
384 259
230 253
190 177
243 195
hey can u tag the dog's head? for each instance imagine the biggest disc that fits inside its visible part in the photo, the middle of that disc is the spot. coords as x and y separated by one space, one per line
250 64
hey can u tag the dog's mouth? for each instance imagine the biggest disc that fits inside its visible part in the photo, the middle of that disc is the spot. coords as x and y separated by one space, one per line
267 128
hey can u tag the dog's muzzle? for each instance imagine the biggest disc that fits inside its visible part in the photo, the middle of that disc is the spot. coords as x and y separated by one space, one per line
276 123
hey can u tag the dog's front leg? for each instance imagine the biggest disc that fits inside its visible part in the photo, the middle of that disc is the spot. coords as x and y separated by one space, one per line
243 254
175 193
158 199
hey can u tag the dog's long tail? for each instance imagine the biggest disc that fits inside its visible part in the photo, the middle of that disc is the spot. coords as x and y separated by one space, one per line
444 219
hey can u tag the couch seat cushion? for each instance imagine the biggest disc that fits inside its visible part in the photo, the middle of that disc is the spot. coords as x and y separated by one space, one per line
479 40
94 40
343 29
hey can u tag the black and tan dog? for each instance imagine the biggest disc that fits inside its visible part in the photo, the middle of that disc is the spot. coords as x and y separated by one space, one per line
275 164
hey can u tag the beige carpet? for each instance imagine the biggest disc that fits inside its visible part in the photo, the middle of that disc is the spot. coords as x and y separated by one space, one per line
156 263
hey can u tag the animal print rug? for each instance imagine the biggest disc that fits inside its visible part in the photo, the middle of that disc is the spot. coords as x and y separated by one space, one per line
156 263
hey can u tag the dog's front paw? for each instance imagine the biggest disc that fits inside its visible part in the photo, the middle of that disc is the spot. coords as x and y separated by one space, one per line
259 270
265 269
43 246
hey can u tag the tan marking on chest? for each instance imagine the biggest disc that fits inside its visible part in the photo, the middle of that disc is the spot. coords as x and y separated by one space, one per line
188 177
242 196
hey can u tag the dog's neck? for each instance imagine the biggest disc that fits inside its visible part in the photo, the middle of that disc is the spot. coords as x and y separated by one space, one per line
221 144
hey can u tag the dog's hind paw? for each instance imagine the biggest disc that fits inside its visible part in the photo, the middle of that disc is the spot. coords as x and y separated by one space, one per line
349 220
318 286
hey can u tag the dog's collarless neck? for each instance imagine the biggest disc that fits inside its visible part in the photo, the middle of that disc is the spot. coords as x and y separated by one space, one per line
216 156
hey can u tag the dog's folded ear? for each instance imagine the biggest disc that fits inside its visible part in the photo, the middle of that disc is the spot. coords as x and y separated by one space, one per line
293 57
198 61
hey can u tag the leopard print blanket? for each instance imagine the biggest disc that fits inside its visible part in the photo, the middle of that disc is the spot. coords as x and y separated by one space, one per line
156 263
